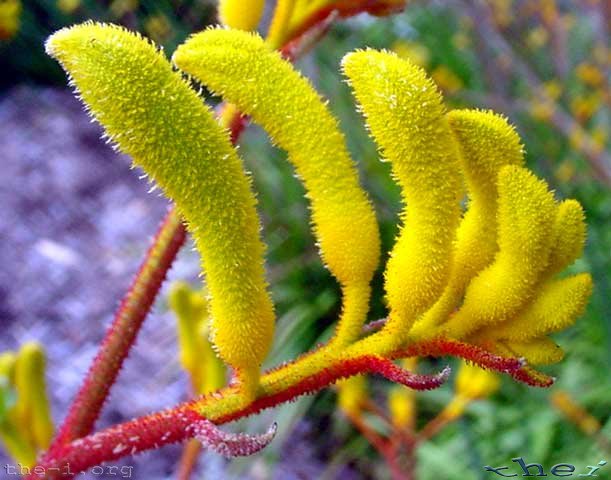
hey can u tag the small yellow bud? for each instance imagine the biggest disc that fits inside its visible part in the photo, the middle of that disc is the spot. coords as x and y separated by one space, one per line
32 408
350 394
241 14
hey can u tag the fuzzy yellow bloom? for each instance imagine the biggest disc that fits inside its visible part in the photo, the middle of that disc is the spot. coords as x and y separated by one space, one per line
406 117
152 114
246 72
486 143
241 14
526 214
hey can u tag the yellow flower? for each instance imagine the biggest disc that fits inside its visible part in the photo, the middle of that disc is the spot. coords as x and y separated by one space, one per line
241 14
26 427
196 354
10 18
154 115
351 393
472 383
484 275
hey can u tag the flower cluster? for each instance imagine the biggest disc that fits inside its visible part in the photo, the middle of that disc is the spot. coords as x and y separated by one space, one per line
479 282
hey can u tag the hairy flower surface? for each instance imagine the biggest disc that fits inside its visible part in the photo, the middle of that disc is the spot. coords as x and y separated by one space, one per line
480 282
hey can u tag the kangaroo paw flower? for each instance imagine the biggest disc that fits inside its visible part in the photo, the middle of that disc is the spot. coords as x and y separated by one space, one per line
244 70
406 117
153 115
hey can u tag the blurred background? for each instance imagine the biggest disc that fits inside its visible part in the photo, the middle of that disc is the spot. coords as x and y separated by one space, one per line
76 221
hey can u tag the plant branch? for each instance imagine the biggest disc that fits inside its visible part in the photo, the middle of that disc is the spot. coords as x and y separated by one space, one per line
122 333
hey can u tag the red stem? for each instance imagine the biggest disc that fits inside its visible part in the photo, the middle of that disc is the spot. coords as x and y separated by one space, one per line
175 425
122 333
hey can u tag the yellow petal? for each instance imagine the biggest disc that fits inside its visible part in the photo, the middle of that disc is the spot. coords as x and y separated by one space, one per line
568 238
405 115
540 351
525 220
247 73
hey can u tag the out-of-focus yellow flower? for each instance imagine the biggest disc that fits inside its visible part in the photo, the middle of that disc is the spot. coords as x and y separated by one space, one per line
10 18
541 109
574 412
415 52
158 27
197 357
537 37
68 6
241 14
446 79
402 400
583 107
118 8
472 383
589 74
350 395
553 89
502 12
565 171
461 40
26 427
600 136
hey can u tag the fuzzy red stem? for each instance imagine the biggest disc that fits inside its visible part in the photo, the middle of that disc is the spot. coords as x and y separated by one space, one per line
441 347
122 333
175 425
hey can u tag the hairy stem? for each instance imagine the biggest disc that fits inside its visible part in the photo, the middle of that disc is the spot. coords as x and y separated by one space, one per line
122 333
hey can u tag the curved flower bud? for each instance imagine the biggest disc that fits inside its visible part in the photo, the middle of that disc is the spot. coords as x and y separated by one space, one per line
196 354
153 115
525 218
487 142
405 115
241 14
32 411
245 71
